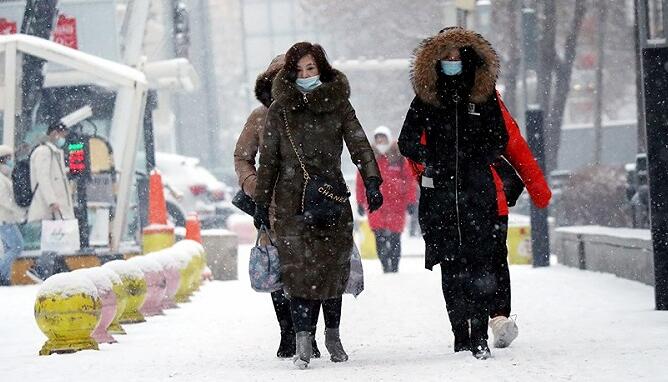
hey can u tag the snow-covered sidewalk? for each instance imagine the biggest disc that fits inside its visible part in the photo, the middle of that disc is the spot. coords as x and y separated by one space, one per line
574 326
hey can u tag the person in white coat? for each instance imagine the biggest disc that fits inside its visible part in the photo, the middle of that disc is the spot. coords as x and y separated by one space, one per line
10 215
48 179
52 193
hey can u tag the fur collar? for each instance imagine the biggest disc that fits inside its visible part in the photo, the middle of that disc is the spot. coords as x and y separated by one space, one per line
325 98
264 80
423 72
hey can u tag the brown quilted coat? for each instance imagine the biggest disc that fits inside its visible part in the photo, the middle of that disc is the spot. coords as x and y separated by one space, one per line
315 264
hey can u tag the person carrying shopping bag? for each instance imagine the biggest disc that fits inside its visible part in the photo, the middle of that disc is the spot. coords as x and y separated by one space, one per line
52 198
245 152
300 169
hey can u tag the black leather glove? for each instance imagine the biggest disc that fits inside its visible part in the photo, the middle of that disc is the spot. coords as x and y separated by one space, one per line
373 196
412 209
261 217
360 210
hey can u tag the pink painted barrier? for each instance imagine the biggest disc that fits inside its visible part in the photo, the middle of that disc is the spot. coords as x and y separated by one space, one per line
155 282
171 270
102 278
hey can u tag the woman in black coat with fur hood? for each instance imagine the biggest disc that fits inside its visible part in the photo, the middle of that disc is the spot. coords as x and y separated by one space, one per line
455 128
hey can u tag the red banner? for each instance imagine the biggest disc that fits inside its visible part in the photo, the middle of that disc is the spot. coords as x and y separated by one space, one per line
7 27
66 31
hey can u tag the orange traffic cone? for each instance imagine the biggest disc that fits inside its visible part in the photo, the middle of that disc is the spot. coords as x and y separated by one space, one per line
157 207
193 229
158 234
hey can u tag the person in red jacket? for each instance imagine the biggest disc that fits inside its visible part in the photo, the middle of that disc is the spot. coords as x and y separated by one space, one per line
399 189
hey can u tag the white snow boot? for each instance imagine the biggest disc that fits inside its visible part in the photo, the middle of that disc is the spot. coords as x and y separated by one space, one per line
304 350
504 330
334 346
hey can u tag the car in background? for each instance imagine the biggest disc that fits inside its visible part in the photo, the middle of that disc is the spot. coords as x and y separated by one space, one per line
199 191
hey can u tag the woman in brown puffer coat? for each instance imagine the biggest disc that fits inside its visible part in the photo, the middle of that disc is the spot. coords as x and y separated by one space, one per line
247 148
308 122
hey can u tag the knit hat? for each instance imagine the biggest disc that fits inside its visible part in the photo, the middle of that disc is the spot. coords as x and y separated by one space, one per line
383 130
5 151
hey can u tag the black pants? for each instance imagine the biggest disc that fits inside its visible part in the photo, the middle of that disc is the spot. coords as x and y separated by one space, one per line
501 300
305 313
500 304
284 313
468 285
388 246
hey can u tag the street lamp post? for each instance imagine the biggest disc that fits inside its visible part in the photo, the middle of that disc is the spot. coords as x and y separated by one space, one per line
653 42
540 233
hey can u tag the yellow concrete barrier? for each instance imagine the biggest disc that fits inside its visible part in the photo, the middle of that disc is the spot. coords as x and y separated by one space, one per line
67 310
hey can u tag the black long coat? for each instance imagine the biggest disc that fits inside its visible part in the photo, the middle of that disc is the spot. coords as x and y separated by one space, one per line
465 134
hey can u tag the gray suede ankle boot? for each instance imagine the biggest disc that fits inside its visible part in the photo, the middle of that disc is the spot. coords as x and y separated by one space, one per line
334 346
304 350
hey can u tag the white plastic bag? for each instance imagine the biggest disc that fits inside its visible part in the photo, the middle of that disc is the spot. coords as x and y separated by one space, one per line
60 236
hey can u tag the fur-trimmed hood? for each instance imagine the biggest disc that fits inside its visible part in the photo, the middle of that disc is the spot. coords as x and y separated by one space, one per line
424 75
325 98
264 80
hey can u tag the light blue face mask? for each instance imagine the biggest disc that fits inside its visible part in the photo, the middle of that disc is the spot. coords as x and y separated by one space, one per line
60 142
308 84
451 68
10 163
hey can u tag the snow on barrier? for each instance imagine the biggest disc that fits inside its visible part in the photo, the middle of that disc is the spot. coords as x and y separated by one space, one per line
105 289
135 286
67 310
170 266
155 283
79 309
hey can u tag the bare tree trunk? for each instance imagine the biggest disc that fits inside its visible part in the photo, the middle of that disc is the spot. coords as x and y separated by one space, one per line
548 55
598 107
563 72
514 58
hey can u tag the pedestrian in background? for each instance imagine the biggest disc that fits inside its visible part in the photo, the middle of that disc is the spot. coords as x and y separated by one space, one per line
10 216
399 192
52 193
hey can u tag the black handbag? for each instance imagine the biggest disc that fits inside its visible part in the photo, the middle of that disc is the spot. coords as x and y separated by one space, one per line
323 200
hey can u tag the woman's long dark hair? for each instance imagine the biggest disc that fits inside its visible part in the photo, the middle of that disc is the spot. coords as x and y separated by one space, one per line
301 49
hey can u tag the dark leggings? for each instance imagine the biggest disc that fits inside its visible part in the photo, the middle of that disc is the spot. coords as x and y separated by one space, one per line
468 287
388 246
305 313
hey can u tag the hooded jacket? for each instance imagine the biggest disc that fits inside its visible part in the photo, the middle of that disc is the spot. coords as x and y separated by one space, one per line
315 264
250 139
456 128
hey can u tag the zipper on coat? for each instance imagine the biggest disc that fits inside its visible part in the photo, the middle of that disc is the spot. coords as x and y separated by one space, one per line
459 228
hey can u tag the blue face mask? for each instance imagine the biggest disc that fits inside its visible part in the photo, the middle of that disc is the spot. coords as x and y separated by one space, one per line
451 68
308 84
60 142
9 163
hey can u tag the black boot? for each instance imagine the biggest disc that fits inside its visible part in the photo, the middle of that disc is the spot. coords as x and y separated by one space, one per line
288 344
314 345
479 347
462 337
286 349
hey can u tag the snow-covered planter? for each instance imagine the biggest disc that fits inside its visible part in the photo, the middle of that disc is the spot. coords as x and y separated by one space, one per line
197 264
155 283
135 287
186 272
105 289
67 310
171 268
121 300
